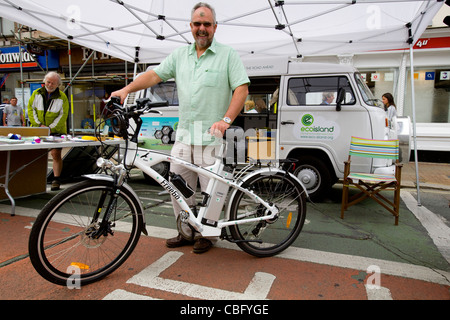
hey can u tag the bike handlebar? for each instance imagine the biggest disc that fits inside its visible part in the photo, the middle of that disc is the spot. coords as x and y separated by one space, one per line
141 106
120 115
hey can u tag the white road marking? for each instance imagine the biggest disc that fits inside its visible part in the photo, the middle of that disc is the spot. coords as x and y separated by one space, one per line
308 255
378 293
438 231
258 288
120 294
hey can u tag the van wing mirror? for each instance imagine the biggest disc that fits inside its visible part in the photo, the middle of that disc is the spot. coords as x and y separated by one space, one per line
340 98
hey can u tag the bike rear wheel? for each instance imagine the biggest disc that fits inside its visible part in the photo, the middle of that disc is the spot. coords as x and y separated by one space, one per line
63 246
268 237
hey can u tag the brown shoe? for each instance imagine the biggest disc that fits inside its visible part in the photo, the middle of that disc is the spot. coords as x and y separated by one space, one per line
202 245
55 185
178 241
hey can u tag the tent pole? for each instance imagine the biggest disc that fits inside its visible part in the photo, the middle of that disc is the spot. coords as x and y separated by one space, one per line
135 71
70 87
136 61
93 89
401 83
413 104
126 73
21 70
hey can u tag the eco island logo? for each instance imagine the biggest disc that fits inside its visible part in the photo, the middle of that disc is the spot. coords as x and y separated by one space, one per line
308 120
315 128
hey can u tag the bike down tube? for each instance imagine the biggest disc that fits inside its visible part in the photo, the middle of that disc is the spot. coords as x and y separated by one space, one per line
139 163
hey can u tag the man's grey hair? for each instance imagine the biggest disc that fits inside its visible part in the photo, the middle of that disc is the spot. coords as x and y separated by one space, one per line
53 74
204 5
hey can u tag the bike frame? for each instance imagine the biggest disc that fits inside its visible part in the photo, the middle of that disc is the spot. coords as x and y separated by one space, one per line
144 159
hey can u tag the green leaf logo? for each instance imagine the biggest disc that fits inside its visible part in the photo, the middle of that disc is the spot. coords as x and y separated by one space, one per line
307 120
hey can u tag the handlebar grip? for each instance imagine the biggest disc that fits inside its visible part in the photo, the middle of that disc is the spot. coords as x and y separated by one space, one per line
114 103
146 102
114 100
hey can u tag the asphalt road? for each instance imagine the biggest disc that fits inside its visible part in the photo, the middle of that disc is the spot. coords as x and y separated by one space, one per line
363 257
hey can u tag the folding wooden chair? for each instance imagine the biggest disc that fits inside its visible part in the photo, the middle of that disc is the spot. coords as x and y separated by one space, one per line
371 184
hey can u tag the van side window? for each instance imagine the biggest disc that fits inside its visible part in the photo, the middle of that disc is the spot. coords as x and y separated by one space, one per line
318 91
163 91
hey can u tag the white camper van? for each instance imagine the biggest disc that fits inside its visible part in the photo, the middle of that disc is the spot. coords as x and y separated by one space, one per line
306 111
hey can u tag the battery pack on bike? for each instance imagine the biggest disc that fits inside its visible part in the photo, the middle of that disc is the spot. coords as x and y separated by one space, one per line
216 197
181 185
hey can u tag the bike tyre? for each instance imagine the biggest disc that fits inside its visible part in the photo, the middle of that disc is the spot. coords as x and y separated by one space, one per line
47 218
265 186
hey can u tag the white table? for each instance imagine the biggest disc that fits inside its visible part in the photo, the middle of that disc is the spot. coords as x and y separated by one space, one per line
28 145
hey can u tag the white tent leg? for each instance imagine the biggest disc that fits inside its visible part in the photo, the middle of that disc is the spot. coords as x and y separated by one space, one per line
413 104
21 71
401 83
69 51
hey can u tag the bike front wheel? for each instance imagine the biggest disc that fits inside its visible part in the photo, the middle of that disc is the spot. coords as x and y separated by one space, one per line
64 247
265 238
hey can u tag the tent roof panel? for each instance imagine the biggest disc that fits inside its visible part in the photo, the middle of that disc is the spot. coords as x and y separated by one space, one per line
253 27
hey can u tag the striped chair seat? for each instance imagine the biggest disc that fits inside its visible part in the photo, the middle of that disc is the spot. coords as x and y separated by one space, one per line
371 177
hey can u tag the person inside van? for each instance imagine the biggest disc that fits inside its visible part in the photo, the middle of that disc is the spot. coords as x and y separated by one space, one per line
260 106
327 98
249 107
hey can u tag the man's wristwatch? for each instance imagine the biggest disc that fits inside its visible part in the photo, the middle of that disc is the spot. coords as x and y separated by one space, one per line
227 120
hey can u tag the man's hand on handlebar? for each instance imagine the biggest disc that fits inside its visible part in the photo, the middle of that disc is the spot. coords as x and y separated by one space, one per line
122 94
113 103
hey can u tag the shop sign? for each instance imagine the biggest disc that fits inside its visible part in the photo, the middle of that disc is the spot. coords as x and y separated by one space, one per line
375 77
432 43
10 59
445 75
79 55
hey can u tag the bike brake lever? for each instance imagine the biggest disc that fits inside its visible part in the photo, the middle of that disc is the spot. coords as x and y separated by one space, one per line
154 111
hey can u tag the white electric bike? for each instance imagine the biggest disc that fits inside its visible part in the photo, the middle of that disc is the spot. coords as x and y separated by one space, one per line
94 226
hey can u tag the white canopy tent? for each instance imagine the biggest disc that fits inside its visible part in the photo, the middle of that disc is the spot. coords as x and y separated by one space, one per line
146 31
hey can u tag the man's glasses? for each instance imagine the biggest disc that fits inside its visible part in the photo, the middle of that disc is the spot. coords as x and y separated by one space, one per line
205 24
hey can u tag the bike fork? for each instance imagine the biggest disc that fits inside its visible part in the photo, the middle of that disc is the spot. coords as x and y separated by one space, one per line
105 225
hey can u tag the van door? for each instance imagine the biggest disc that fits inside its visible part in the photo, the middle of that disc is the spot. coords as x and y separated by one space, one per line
312 130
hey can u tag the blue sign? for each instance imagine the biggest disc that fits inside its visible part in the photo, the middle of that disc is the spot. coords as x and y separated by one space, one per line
429 75
10 60
35 86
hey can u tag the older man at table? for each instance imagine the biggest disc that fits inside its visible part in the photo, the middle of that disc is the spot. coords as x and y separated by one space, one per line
49 107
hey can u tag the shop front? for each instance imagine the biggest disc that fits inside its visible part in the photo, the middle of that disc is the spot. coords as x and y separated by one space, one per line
16 67
87 78
94 76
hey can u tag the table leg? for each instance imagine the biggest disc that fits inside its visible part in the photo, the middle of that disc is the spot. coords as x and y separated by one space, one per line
13 203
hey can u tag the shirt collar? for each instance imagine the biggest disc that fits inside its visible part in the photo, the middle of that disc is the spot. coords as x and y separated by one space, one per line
211 48
54 94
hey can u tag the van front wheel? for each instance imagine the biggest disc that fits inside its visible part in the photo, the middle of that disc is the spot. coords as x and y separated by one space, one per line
315 176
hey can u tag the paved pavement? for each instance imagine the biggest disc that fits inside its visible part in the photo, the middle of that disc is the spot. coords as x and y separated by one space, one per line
363 257
431 175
